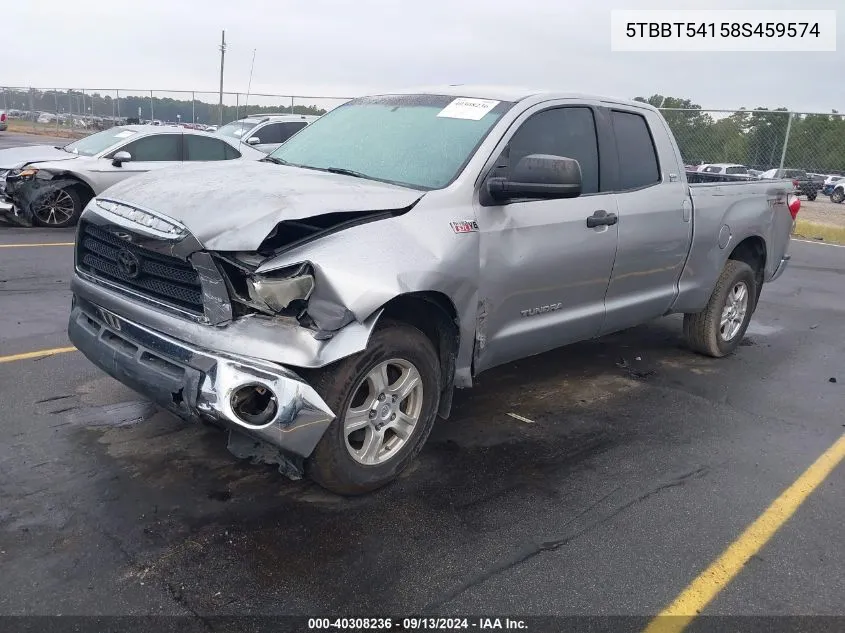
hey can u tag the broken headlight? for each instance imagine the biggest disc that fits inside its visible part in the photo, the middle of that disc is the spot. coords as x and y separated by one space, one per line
279 289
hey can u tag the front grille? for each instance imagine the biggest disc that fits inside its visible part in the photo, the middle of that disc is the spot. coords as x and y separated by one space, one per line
160 277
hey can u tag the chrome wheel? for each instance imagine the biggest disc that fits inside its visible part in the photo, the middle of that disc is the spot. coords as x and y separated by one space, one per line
384 412
733 314
54 208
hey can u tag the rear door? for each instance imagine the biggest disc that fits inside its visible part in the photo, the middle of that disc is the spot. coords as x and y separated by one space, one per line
204 148
544 272
655 220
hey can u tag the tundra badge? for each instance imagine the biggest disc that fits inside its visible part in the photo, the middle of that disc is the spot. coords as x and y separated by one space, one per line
541 309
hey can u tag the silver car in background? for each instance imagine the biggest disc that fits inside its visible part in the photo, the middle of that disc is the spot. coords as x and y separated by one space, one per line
50 186
265 132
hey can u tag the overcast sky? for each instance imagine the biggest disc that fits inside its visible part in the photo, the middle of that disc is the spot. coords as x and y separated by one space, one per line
344 48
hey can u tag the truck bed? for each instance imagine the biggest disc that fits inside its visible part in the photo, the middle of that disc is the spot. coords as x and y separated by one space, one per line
724 210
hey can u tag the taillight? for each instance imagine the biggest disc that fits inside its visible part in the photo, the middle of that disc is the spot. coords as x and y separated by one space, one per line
794 183
2 117
794 204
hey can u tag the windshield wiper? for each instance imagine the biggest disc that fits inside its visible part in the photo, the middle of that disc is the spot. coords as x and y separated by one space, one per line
273 159
347 172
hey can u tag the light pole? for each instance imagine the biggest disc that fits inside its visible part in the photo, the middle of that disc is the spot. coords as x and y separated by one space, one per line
222 57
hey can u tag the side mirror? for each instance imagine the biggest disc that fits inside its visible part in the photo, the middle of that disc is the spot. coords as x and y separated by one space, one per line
120 158
538 176
253 140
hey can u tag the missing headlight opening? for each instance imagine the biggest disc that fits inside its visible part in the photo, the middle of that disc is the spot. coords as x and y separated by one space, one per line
279 292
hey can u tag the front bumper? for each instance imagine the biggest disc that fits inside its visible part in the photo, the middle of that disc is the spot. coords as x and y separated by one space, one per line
195 383
784 262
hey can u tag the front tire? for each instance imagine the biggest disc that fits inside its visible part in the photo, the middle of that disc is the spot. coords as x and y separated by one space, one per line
386 400
56 209
837 196
719 328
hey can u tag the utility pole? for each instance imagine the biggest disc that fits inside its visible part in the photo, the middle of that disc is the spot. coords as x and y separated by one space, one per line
222 57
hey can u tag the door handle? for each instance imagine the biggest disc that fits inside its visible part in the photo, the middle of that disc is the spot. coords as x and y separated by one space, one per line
601 218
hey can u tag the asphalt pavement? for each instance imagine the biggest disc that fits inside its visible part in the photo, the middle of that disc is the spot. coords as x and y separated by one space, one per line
630 466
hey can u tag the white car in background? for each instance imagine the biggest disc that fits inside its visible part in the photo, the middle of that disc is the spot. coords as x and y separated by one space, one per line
49 186
265 132
730 169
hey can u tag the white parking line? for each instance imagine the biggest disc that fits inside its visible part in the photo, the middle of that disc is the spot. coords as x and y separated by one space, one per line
819 243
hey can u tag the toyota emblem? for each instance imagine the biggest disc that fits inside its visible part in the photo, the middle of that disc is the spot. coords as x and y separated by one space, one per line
128 263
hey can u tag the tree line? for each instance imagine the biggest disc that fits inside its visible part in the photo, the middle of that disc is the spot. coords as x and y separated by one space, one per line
755 138
73 103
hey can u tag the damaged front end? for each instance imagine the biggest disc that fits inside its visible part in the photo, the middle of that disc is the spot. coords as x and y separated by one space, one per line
204 334
23 188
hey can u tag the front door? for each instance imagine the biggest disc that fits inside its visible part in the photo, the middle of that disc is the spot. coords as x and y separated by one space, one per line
155 151
544 271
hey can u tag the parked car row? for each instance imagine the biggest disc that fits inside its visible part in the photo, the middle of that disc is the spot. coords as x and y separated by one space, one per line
804 183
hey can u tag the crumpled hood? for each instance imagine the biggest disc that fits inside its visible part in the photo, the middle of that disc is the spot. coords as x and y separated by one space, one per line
233 207
17 157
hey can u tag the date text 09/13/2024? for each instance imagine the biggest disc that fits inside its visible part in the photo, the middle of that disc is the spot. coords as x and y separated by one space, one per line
412 624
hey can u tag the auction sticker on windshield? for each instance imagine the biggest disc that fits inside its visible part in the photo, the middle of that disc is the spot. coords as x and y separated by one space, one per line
463 108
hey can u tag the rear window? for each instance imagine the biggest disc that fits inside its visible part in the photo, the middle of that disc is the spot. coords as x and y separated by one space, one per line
237 129
638 165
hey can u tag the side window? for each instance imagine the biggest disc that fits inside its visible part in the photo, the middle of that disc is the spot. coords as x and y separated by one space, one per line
712 170
160 147
637 157
204 148
569 132
231 152
737 170
270 133
291 128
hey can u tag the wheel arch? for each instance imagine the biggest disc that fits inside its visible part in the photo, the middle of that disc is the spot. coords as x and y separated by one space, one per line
435 315
752 251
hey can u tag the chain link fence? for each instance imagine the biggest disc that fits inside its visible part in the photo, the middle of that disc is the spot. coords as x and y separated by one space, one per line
756 140
76 112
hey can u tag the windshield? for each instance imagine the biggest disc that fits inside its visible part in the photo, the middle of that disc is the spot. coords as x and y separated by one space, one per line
99 142
236 129
419 141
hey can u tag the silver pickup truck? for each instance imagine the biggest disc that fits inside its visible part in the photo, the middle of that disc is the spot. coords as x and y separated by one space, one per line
323 303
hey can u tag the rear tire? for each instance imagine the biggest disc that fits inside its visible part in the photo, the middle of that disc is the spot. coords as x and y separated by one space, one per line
718 329
837 196
371 441
811 197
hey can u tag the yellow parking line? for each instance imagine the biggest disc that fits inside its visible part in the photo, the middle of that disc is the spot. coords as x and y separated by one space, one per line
37 354
46 244
701 591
